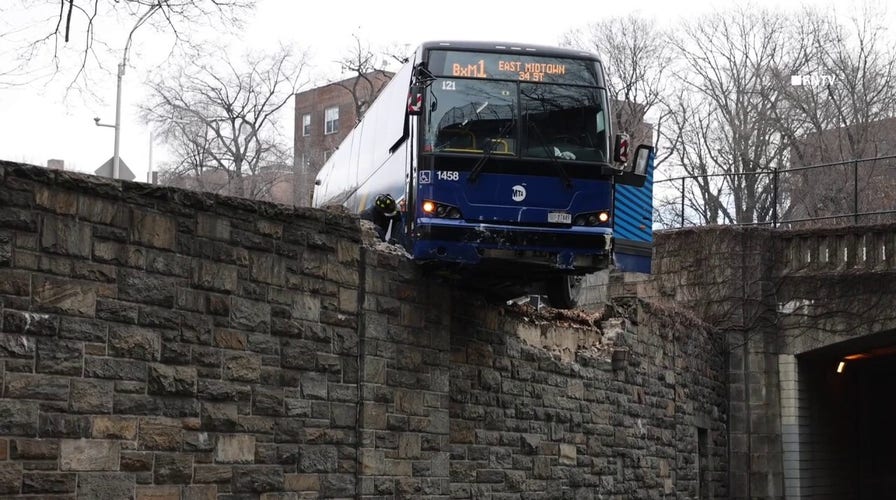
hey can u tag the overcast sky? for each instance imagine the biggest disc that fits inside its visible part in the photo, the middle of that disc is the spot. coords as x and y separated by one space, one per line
38 123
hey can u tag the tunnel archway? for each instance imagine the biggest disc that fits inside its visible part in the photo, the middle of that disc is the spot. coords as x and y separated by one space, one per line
845 444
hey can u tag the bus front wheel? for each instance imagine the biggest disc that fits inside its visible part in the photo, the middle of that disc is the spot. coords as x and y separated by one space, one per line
565 292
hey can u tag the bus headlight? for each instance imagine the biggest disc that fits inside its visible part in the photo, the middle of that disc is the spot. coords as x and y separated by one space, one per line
592 218
441 210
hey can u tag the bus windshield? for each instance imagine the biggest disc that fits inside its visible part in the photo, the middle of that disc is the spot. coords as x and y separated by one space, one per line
517 119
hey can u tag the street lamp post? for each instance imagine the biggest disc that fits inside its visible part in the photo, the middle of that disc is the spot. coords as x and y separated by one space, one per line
124 59
116 162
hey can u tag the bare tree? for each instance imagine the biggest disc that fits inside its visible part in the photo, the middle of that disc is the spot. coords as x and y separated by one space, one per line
366 73
68 36
222 118
732 78
637 55
838 109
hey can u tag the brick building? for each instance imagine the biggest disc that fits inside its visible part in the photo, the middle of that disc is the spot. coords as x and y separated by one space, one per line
843 186
324 116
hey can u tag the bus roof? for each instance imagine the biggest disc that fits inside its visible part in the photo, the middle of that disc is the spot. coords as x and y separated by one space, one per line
526 48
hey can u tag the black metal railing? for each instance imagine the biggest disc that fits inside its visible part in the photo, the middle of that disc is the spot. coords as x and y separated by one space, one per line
856 191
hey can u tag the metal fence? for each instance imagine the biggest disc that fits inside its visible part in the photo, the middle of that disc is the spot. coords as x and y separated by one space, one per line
856 191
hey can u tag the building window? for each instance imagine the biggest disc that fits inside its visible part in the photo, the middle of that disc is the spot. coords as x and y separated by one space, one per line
331 120
306 125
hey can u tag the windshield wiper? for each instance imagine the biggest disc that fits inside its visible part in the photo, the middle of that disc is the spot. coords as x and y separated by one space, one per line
492 145
547 150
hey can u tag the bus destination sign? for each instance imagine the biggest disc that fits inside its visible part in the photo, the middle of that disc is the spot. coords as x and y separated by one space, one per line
512 67
509 70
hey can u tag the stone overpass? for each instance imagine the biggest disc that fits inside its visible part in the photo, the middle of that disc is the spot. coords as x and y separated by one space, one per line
162 344
793 305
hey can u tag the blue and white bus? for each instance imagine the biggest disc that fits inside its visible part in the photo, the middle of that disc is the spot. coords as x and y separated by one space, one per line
505 160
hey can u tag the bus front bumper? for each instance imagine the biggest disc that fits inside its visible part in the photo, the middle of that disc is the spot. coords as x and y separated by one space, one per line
576 248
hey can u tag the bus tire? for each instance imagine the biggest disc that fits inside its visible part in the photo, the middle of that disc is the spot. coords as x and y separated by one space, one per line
565 292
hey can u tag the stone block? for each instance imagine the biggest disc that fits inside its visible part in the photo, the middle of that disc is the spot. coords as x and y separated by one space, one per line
171 380
267 268
160 434
212 473
214 276
158 493
244 367
89 455
18 418
409 446
62 425
56 295
29 323
101 211
230 339
112 368
250 314
17 346
26 386
115 253
14 282
348 299
10 478
337 485
56 200
65 237
153 229
92 396
15 218
279 496
62 357
114 427
135 342
173 468
199 493
316 458
48 482
257 478
567 454
212 227
5 248
106 486
301 482
235 448
146 288
34 449
306 307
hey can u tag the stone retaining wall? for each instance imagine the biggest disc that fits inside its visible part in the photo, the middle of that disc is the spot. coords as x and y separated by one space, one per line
157 343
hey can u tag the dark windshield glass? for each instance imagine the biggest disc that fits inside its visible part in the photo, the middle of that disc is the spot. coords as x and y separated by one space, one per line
471 116
567 123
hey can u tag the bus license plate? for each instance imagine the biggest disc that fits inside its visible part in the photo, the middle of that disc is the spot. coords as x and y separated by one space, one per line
559 217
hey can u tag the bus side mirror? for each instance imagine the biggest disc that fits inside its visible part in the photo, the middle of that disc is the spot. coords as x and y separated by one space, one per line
643 158
415 100
620 149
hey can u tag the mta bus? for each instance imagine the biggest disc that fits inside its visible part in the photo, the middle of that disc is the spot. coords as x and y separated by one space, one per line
504 160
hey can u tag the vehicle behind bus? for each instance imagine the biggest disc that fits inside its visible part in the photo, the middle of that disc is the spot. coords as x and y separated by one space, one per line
504 158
